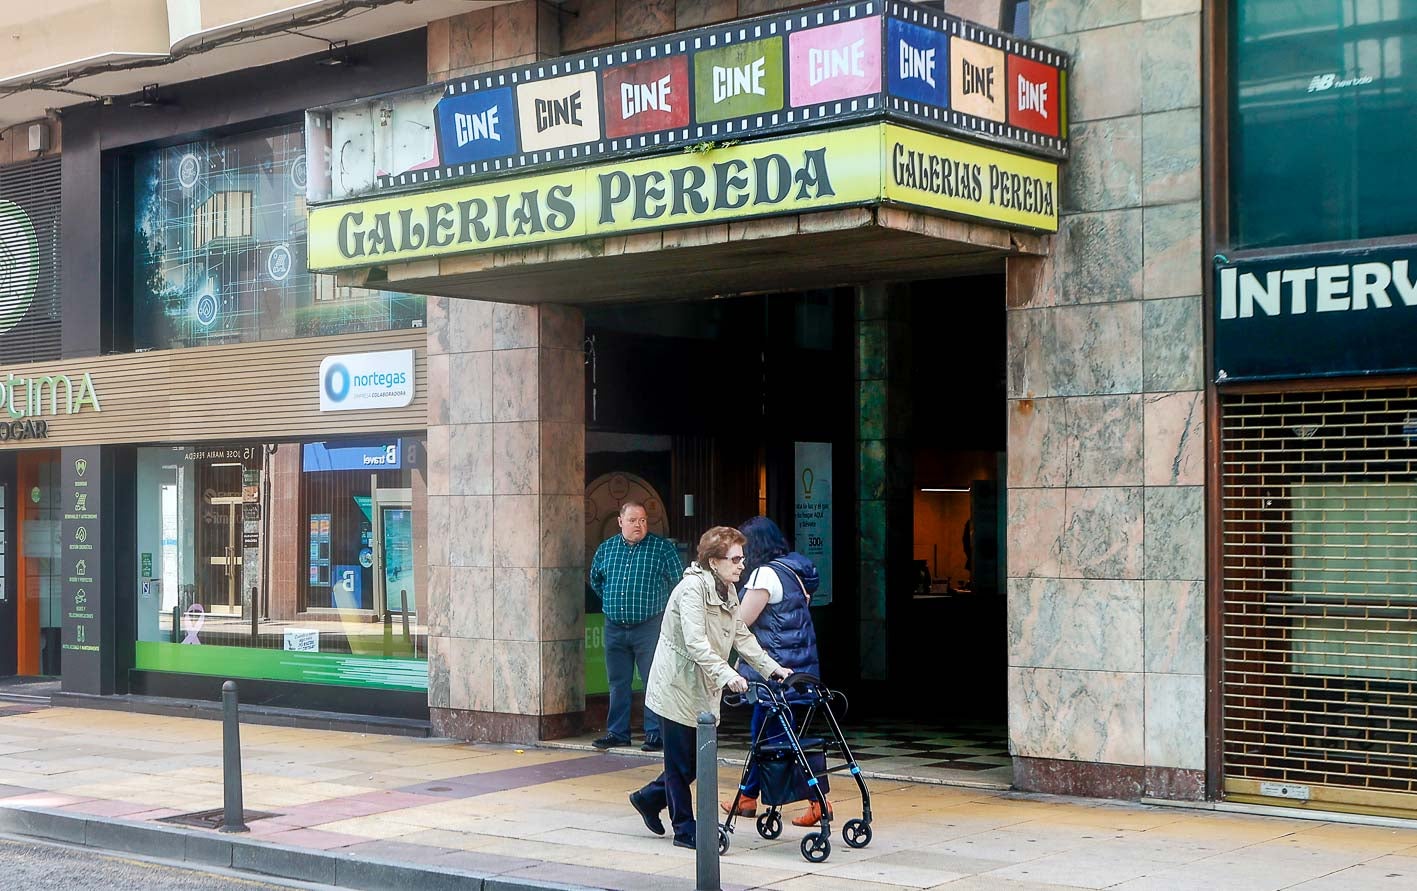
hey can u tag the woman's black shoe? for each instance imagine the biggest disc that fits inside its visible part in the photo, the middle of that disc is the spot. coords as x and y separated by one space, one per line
653 744
652 821
680 843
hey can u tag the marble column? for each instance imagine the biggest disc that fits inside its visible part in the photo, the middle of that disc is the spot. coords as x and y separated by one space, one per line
884 521
506 488
1106 415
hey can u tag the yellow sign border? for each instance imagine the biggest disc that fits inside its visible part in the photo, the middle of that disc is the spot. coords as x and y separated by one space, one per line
824 169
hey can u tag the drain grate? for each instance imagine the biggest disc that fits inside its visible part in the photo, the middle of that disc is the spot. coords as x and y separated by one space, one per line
212 819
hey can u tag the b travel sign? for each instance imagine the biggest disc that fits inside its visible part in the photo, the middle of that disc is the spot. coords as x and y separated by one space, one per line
820 170
1316 315
835 64
367 381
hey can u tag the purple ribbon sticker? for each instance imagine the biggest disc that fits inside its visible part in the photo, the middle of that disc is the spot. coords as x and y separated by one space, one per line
192 622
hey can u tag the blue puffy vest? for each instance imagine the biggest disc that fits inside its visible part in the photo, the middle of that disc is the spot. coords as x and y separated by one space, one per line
784 629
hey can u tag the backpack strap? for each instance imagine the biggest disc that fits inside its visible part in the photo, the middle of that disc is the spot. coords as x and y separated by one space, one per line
800 584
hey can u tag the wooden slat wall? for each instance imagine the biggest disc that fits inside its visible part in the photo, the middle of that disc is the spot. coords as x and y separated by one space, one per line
266 390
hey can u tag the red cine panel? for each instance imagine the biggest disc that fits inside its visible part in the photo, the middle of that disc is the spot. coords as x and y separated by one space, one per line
647 96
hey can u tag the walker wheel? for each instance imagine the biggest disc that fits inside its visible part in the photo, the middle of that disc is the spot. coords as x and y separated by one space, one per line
856 833
770 824
722 841
816 847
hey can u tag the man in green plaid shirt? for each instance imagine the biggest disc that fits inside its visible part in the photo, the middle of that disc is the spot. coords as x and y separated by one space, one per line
632 574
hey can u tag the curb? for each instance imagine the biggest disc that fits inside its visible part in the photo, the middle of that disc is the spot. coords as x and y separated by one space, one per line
211 849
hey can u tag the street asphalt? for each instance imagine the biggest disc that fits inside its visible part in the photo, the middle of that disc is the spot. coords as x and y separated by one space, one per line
35 865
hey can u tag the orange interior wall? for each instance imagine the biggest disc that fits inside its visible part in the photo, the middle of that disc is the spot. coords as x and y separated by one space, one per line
940 516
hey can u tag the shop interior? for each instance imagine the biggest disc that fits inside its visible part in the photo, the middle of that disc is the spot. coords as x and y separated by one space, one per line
703 410
30 584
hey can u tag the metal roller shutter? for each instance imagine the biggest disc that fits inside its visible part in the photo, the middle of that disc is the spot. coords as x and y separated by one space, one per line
29 262
1319 545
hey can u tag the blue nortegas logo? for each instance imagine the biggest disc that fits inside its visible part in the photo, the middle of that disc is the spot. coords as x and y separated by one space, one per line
337 382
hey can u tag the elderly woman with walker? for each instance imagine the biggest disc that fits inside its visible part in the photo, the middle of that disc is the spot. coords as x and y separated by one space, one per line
690 671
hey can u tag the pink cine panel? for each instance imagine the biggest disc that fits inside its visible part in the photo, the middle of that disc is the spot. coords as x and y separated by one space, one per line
836 61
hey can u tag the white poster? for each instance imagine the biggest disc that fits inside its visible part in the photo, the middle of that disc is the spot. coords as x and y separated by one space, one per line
812 527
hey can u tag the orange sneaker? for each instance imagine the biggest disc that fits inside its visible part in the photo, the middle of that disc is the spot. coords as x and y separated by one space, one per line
747 807
813 815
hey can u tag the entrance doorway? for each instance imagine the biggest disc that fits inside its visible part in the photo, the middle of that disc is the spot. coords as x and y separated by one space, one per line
711 412
30 592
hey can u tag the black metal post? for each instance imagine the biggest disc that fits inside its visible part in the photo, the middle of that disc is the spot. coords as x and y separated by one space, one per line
706 828
176 623
234 812
255 619
403 602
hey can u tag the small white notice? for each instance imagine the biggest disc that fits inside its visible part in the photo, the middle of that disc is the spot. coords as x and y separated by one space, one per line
302 640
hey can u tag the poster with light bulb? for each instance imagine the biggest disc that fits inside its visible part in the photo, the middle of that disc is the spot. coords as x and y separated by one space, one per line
812 526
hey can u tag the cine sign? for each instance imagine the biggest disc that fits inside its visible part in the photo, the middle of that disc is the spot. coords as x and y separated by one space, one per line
1316 315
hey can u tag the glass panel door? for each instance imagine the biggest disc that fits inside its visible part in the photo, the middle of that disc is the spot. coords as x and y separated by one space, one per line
394 552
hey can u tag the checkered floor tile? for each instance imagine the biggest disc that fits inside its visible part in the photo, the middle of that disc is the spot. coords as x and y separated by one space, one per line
967 746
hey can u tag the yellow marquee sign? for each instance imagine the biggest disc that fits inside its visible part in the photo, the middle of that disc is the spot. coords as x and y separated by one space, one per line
816 171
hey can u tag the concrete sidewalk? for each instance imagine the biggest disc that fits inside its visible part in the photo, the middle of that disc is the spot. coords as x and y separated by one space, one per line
351 805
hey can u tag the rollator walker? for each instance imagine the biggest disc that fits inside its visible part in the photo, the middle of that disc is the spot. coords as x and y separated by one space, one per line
785 767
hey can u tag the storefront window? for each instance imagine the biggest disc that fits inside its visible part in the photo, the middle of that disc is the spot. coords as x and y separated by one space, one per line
219 250
1322 99
294 561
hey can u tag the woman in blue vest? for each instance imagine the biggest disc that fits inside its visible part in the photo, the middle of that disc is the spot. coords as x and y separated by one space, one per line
777 591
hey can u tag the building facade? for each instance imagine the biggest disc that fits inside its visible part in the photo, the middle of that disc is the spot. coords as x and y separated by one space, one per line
332 369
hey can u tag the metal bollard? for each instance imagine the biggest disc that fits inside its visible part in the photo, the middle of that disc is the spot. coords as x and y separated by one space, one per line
234 812
403 602
706 825
255 620
176 623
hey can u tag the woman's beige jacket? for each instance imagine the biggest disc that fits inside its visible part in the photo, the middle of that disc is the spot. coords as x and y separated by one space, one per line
691 665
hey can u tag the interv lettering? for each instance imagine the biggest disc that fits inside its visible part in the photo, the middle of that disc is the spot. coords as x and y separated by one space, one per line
844 61
636 98
917 63
481 125
977 80
555 112
1335 288
738 80
1032 96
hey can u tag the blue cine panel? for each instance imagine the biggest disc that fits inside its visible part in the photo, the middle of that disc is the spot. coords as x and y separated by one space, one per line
477 126
353 456
916 66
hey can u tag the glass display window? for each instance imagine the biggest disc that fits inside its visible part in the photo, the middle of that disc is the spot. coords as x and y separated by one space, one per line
293 561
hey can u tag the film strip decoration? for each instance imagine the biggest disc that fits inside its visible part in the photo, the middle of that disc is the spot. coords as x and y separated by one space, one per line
836 63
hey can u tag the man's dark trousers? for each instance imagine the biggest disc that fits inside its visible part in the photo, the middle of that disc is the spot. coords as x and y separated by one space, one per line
628 647
671 788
